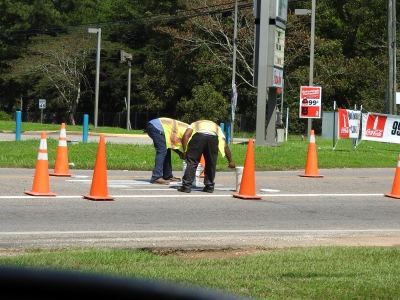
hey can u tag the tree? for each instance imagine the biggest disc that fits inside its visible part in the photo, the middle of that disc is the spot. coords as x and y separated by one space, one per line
209 33
350 50
206 104
350 60
58 66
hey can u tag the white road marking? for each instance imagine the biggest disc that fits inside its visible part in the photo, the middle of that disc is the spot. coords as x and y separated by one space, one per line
80 180
174 189
177 195
120 186
323 195
128 183
270 190
200 231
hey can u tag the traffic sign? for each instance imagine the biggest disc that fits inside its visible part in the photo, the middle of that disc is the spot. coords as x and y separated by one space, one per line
42 103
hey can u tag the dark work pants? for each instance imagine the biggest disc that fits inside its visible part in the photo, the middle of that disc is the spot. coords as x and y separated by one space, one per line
162 164
198 145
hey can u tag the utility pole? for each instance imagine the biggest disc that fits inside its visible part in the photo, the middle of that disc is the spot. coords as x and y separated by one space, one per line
128 94
96 94
311 79
391 94
127 57
234 88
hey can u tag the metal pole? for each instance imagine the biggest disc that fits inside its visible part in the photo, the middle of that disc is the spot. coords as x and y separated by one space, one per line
96 102
128 107
18 125
271 116
394 55
85 131
334 124
234 70
389 92
282 95
311 80
262 71
287 122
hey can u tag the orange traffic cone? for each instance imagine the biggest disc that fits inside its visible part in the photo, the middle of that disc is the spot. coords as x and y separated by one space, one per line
99 189
41 181
396 182
248 185
312 163
61 167
203 164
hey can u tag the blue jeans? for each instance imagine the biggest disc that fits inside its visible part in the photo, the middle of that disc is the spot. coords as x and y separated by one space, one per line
162 165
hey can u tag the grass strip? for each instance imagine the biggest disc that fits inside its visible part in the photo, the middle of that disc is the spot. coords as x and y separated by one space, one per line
298 273
291 155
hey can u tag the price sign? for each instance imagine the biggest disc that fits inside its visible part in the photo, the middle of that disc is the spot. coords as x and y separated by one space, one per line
279 53
310 102
42 103
381 128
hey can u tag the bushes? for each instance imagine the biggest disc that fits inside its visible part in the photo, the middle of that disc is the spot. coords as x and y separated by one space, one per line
4 116
206 104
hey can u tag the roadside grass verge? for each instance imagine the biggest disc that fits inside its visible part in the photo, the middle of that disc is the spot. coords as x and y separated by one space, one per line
29 126
298 273
291 155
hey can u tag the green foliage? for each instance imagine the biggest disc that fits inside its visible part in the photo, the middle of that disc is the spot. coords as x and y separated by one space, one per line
57 66
4 116
350 62
155 87
206 104
171 59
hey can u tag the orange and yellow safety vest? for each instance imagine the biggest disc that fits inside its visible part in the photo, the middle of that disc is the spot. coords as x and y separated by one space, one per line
173 131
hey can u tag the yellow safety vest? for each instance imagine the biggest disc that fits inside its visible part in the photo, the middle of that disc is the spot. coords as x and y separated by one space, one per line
173 131
210 126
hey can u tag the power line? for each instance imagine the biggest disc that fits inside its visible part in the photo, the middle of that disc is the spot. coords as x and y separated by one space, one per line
164 19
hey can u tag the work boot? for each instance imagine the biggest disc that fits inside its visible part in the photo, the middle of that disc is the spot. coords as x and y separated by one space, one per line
208 189
184 190
161 181
174 179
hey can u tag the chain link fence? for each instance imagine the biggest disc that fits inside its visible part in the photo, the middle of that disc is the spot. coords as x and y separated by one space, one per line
138 120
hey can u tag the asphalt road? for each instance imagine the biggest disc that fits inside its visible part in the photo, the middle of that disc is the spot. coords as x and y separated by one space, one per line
346 206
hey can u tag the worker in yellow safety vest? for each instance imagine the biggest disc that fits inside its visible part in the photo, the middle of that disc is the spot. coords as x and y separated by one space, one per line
203 138
166 134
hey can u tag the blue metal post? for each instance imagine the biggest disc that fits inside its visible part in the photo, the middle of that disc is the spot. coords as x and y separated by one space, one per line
222 125
85 128
228 133
18 125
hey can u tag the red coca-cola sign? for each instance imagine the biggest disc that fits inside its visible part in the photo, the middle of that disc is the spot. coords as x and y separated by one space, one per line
375 126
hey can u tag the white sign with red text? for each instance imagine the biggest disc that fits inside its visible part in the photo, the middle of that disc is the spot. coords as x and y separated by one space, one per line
277 78
381 128
310 102
348 123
